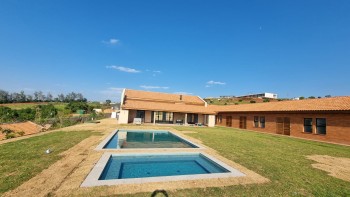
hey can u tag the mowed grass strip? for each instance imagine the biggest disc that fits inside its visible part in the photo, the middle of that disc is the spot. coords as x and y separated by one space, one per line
279 158
23 159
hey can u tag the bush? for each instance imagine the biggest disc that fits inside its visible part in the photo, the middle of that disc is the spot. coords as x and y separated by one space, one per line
266 100
75 106
10 135
21 133
252 101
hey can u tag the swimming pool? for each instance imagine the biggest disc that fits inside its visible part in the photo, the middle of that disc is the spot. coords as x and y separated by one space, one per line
133 139
115 169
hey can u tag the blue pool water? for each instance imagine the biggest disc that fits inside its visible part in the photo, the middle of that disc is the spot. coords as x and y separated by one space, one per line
146 139
125 167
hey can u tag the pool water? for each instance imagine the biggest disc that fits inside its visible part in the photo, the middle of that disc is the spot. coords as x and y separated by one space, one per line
146 139
126 167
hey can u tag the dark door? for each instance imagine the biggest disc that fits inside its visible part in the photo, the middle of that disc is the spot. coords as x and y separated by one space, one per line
286 126
195 118
242 122
279 125
229 121
283 125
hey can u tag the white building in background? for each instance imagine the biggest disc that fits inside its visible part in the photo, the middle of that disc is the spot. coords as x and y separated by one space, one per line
261 95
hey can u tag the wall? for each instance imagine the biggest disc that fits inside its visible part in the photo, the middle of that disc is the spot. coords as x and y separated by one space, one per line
338 124
211 120
179 116
123 117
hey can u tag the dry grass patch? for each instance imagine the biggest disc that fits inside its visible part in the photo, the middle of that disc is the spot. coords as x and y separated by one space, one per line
338 167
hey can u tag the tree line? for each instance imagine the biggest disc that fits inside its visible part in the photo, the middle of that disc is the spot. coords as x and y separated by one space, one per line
39 96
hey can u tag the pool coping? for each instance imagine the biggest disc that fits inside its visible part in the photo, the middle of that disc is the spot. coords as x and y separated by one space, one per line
93 177
108 138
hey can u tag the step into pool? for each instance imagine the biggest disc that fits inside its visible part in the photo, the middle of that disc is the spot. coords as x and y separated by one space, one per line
115 169
133 139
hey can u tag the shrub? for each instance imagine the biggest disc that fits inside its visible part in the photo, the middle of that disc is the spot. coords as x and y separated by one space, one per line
21 133
10 135
266 100
252 101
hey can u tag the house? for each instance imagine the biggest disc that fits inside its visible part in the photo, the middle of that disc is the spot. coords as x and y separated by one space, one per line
260 95
325 119
164 108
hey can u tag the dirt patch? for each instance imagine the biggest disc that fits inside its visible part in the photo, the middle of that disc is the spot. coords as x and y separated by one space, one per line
338 167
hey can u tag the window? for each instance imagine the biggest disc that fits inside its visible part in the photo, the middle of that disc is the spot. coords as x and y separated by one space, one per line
321 126
256 121
262 121
308 125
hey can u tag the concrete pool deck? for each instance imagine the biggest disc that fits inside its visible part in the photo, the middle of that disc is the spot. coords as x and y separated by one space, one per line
64 177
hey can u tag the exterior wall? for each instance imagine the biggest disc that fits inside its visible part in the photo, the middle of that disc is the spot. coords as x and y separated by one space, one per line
338 124
179 116
123 117
211 120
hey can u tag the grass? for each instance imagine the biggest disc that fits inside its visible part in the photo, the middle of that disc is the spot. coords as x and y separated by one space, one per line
22 160
281 159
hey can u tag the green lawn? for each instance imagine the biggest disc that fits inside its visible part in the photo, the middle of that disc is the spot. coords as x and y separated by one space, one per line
281 159
22 160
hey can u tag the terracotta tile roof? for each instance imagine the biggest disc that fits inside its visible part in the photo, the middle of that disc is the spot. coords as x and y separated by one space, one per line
323 104
27 127
170 107
162 97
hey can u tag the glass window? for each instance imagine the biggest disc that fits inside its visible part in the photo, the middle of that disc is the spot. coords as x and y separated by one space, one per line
321 126
308 125
262 121
256 121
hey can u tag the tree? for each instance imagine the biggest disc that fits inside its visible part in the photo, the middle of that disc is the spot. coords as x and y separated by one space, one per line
108 102
22 97
301 98
29 98
49 97
39 96
4 96
61 97
311 97
328 96
74 106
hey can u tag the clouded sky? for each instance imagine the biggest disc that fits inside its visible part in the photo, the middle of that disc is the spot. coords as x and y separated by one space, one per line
207 48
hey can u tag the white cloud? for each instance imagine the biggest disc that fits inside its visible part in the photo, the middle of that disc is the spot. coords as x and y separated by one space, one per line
111 41
215 83
153 87
183 93
157 71
124 69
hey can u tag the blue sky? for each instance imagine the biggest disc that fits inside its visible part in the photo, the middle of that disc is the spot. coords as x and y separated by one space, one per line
207 48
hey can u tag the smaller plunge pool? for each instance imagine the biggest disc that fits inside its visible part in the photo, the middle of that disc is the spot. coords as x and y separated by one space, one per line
115 169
